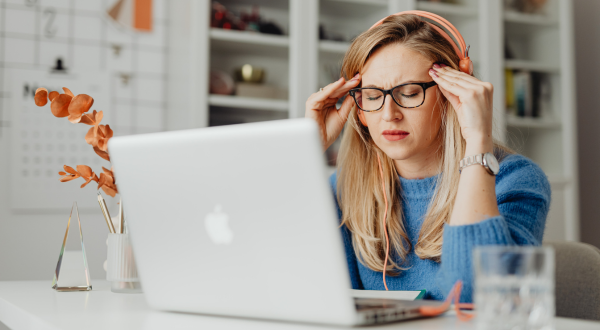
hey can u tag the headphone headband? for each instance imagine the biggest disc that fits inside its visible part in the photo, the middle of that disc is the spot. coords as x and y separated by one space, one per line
458 43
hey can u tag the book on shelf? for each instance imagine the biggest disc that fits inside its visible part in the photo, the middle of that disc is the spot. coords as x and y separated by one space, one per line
527 93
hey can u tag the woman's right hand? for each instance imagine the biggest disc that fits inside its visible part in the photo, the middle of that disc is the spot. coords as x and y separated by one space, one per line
320 106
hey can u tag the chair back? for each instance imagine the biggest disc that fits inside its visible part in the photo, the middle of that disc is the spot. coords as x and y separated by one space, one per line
577 280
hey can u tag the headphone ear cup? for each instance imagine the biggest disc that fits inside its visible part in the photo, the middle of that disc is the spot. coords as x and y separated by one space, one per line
466 65
361 117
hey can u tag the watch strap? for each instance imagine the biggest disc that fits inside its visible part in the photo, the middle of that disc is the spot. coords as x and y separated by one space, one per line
476 159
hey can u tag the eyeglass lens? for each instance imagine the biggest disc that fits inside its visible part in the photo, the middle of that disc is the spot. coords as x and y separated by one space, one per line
407 96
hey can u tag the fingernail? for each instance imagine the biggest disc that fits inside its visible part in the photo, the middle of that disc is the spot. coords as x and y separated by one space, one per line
432 72
341 78
437 66
443 65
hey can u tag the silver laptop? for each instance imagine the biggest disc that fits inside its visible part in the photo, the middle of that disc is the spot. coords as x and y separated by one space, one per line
240 221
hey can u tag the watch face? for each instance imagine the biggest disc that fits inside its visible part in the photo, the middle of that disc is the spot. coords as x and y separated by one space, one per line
492 163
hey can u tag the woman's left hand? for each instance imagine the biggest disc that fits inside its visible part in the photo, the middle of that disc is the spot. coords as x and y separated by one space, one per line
472 100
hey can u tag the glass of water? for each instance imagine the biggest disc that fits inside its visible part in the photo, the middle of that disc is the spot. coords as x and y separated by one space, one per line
514 287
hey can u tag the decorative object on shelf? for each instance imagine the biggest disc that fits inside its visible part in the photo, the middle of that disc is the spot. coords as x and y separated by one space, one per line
250 74
74 107
223 18
71 277
526 6
221 83
250 84
325 34
132 14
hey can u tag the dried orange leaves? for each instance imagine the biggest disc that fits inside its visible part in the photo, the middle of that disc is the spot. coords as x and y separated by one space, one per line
80 104
70 174
63 105
92 119
41 97
75 107
104 133
98 137
86 173
107 182
60 105
53 95
102 154
68 91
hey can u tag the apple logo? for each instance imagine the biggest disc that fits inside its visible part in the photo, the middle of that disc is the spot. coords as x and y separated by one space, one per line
217 226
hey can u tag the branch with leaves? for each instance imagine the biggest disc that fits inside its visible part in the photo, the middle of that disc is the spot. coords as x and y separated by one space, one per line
75 108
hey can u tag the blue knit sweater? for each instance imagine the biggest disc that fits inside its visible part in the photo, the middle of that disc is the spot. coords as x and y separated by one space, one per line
523 195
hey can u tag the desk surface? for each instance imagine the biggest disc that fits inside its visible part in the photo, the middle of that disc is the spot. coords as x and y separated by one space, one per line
28 305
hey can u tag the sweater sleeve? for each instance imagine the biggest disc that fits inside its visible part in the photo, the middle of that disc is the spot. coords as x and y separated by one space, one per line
523 194
347 239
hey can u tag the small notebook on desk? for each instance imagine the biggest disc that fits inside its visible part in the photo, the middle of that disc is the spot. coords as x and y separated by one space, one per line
400 295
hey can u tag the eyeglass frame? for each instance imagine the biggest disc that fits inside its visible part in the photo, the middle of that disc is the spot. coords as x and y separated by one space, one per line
385 92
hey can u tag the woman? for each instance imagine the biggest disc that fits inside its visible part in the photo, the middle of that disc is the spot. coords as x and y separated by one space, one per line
419 133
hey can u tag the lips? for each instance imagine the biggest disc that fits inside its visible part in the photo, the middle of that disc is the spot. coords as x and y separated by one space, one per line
394 135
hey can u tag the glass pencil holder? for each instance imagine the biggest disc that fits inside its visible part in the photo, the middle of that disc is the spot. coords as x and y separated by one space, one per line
120 267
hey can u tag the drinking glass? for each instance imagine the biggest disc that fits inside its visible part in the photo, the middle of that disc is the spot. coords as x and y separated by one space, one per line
514 287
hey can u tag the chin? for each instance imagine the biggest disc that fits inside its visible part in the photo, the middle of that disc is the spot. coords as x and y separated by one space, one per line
398 153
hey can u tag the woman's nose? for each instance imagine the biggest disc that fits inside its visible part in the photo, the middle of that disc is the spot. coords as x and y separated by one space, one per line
391 111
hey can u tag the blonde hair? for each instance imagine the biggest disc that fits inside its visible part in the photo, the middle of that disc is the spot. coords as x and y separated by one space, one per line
358 181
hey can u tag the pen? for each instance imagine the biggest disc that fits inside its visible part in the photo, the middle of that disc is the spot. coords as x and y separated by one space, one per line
104 209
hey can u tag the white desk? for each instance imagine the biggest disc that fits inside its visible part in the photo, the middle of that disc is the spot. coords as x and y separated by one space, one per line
34 305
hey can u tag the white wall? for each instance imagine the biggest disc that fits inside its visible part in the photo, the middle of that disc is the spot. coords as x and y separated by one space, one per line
587 58
32 34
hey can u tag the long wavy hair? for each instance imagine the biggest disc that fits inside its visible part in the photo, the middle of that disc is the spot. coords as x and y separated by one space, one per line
359 184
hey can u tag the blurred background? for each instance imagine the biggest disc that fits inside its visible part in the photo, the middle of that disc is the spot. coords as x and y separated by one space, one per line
156 65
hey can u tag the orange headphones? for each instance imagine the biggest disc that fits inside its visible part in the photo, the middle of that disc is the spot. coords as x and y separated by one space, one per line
456 40
466 66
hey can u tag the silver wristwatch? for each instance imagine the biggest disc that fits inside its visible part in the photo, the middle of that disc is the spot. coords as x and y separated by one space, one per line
488 160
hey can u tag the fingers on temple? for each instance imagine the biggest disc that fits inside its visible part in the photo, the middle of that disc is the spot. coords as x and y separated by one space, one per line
329 90
346 107
348 85
447 71
450 86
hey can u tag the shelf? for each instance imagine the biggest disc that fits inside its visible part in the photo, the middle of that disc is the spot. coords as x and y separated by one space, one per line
529 19
531 122
531 66
247 42
276 4
247 102
447 9
381 3
334 47
249 37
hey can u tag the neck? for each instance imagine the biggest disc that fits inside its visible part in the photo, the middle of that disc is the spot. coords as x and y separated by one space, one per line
423 165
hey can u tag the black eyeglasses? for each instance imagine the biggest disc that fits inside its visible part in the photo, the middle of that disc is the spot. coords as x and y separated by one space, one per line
411 95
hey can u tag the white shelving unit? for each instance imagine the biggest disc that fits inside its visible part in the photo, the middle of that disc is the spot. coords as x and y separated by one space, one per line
302 63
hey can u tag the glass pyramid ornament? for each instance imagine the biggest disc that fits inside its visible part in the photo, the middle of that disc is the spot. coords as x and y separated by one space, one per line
75 275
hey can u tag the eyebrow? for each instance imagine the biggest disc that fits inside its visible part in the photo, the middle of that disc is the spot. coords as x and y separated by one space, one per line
406 82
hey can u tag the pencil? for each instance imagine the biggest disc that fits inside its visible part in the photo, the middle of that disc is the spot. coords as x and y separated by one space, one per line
121 218
104 209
